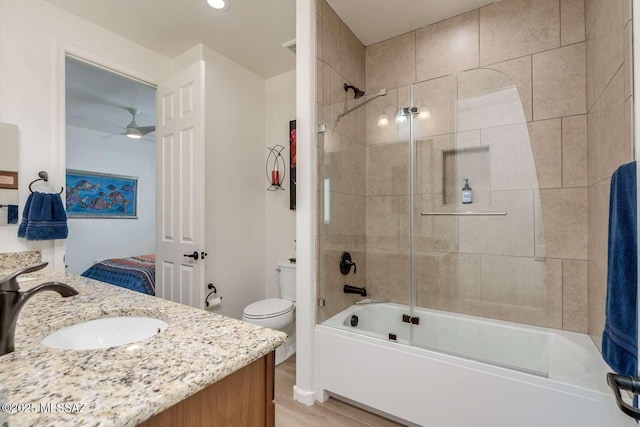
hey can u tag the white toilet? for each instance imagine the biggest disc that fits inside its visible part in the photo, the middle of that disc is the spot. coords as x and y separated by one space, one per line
278 313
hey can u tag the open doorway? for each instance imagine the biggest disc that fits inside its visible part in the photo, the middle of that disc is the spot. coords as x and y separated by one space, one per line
110 176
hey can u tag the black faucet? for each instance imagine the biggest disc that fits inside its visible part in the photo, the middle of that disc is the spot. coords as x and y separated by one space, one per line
12 300
348 289
346 264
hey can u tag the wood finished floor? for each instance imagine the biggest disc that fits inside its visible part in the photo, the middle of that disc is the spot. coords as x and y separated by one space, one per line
331 413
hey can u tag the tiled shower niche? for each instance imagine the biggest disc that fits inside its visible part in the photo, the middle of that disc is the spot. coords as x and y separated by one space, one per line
473 164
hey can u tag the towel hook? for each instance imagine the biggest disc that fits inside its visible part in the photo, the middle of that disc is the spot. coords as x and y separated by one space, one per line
44 176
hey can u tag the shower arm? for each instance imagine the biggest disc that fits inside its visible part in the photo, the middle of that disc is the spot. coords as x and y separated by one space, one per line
382 92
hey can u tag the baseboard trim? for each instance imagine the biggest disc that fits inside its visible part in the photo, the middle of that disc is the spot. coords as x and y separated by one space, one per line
303 396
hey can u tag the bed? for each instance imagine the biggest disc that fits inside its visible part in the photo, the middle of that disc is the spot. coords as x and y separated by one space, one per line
137 273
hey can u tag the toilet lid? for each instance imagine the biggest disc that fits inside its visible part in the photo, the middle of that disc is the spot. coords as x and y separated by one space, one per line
271 307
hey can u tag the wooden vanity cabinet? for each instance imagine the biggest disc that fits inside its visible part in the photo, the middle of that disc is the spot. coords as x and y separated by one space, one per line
244 398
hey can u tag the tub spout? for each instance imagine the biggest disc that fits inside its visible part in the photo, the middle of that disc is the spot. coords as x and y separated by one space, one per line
348 289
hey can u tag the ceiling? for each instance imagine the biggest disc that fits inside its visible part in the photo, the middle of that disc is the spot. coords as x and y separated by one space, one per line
376 20
96 99
250 33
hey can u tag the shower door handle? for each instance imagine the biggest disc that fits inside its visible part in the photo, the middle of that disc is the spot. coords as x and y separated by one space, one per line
623 382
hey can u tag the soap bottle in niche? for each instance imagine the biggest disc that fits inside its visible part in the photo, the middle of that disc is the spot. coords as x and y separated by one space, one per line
467 193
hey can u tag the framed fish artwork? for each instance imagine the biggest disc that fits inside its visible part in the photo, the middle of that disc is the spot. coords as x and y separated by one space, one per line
101 195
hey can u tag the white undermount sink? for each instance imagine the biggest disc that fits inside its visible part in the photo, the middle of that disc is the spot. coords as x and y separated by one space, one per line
104 333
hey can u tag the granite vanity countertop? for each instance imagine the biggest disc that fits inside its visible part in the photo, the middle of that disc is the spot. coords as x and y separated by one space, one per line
119 386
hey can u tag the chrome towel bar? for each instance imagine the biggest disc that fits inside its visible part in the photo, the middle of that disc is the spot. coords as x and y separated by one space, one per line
463 213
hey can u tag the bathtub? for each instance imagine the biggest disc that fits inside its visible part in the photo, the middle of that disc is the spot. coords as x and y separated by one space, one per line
465 371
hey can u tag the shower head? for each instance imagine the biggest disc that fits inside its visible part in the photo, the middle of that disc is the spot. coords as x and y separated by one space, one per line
357 93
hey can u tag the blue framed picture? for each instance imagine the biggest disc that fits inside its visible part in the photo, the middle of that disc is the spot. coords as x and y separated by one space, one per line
101 195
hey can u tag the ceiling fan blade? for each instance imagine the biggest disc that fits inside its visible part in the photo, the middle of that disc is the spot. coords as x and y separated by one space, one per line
146 129
112 135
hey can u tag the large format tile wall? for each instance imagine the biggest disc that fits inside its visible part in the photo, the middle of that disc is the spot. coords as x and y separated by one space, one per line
610 136
524 268
519 267
341 160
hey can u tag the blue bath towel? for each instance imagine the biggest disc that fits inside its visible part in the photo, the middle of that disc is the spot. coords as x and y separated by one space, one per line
44 218
12 214
619 339
22 229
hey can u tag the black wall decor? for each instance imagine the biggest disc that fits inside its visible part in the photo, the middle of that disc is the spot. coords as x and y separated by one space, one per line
292 165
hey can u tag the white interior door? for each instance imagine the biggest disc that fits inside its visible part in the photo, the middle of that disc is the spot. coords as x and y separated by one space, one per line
180 184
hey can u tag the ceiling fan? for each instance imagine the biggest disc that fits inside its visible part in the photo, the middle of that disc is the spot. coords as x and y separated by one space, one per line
133 130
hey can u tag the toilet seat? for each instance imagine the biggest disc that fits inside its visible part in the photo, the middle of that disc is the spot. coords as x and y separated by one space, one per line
268 308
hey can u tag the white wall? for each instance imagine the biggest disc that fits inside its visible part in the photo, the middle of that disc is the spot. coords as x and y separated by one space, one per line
31 32
280 227
235 187
92 239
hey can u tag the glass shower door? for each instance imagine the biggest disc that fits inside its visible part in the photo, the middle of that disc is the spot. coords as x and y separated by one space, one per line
477 245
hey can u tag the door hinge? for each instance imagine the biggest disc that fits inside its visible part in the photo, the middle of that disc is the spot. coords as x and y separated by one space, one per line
410 319
321 302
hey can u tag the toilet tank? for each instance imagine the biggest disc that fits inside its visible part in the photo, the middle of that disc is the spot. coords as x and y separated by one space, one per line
287 281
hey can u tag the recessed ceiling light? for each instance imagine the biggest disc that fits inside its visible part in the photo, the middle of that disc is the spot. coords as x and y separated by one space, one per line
219 4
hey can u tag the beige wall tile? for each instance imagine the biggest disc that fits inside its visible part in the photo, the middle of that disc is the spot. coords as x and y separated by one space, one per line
469 276
564 214
438 96
447 46
597 300
388 169
512 234
572 26
326 84
595 164
352 167
513 28
319 81
546 143
331 25
591 8
352 57
430 233
320 7
383 222
391 63
429 163
515 281
319 40
609 143
599 222
388 275
574 151
519 71
389 105
626 12
337 93
486 98
607 45
553 284
559 82
512 163
575 301
591 71
436 276
352 124
628 61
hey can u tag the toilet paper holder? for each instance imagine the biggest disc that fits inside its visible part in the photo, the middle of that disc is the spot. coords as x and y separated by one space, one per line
214 291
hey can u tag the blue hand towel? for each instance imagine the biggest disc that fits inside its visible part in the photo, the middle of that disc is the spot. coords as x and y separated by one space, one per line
22 229
619 339
12 214
47 219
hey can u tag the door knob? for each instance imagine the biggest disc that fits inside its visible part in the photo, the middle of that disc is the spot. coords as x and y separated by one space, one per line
194 255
